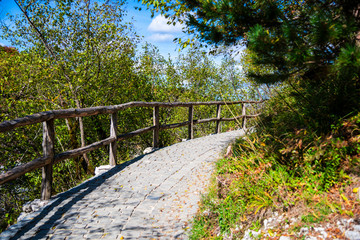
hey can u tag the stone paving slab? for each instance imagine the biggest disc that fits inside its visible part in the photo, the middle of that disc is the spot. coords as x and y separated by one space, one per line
154 196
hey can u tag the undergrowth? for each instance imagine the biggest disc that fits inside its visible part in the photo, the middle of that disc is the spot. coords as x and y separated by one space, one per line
306 177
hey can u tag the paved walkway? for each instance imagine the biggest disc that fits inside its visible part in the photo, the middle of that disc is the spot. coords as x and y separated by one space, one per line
153 196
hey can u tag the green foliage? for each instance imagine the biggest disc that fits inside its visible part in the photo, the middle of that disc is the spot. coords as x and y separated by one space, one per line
268 173
96 65
312 46
80 54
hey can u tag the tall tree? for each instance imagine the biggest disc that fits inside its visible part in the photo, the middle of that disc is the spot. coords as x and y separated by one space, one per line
314 45
87 44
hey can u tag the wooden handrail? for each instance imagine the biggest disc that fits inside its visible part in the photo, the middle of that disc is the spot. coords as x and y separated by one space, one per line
85 112
46 162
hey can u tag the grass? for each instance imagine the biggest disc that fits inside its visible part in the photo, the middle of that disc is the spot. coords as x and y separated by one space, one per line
307 179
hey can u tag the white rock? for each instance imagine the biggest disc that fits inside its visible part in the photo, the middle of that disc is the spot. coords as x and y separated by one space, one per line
30 207
357 228
149 150
103 168
304 230
35 208
322 231
27 207
284 238
238 227
293 220
266 221
206 213
352 235
346 222
251 234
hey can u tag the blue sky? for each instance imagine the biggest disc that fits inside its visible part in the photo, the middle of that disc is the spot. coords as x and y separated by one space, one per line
154 30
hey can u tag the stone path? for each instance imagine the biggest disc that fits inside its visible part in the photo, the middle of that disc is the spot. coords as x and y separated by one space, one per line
153 196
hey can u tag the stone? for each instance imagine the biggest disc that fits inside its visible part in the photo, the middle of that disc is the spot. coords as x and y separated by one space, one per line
284 238
149 150
357 228
322 231
352 235
304 230
27 207
102 169
30 207
251 234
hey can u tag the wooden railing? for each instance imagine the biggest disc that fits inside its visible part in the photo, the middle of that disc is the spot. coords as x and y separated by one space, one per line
49 157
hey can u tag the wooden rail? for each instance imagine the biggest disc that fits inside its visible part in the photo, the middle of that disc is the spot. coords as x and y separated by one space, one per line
47 118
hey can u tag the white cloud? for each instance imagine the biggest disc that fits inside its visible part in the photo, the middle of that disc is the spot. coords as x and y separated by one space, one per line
161 37
159 24
1 44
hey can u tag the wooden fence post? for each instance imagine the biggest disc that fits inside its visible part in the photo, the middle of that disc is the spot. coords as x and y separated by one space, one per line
244 116
218 116
191 124
157 127
113 145
48 151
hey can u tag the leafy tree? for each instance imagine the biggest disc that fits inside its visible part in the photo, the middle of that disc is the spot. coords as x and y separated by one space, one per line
88 47
193 76
82 54
71 49
311 45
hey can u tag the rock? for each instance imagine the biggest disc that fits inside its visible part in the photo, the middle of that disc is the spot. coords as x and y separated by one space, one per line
322 231
251 234
238 227
357 228
284 238
35 208
206 213
27 207
293 221
149 150
30 207
352 235
273 222
101 169
304 230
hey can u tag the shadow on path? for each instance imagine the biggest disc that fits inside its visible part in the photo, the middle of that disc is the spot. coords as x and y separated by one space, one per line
85 188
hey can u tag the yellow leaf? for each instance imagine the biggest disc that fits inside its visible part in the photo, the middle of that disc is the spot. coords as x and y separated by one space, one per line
258 209
355 190
344 198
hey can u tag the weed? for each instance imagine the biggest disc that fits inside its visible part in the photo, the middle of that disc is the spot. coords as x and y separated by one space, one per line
296 174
